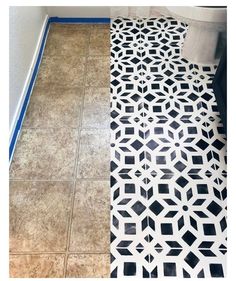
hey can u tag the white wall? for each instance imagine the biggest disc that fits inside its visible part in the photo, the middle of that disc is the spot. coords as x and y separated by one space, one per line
78 12
102 11
25 25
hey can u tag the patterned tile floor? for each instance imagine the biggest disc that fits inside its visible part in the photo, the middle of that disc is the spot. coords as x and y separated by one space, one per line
168 150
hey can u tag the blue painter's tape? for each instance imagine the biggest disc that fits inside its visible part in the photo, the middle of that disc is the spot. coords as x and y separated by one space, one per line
28 93
35 71
79 20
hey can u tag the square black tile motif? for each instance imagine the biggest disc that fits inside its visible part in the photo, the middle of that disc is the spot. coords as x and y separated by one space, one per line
169 269
130 228
216 270
129 269
209 229
166 229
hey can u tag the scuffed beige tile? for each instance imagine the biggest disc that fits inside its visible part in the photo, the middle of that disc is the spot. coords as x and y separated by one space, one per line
94 154
45 154
96 111
67 71
99 44
39 215
54 107
63 27
101 25
67 41
98 71
88 266
37 266
90 231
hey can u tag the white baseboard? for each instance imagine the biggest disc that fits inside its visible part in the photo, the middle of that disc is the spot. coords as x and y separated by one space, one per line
28 79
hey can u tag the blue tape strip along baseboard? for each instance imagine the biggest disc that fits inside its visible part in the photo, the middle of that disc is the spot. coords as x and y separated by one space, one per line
79 20
36 68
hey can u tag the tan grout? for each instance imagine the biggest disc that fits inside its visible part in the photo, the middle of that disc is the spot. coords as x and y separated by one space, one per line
52 180
69 232
49 128
66 127
36 253
76 56
74 191
57 253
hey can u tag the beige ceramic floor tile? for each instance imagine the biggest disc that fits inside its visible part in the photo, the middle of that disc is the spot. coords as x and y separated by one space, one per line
62 27
100 25
90 231
98 71
67 71
36 266
94 154
55 107
45 154
88 266
39 215
99 42
67 42
96 112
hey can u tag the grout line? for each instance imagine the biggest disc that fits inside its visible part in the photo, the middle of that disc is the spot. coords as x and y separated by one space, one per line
69 232
71 204
73 198
65 127
37 253
57 253
48 128
66 180
35 180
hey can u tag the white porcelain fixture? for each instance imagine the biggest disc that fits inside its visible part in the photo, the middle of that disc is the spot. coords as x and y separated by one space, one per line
205 25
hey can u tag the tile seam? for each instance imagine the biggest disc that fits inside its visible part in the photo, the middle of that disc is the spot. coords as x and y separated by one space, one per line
58 253
69 230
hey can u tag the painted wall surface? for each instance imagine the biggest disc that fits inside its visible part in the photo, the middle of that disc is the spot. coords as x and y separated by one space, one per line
25 24
105 11
78 12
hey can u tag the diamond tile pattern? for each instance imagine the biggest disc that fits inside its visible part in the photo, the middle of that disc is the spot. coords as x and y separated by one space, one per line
168 156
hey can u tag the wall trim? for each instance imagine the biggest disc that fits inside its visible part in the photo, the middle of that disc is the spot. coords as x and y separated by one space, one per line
28 86
33 71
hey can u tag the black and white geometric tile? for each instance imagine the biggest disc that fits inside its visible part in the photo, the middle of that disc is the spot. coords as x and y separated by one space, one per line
168 156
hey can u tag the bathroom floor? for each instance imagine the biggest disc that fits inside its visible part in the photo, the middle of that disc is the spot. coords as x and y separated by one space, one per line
59 187
150 115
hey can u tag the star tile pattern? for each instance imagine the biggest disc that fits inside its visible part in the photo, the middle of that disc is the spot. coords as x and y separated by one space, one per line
168 156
